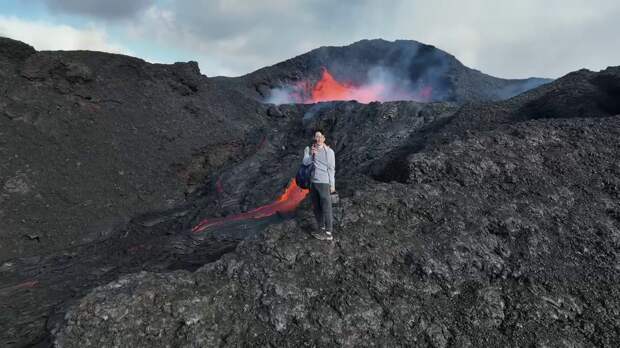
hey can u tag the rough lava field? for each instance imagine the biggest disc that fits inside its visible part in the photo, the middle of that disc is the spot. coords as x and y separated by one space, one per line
480 212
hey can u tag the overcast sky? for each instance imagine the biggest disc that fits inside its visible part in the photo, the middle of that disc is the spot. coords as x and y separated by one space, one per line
513 39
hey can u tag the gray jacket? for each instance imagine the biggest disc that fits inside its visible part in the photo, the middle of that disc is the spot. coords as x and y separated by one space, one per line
324 165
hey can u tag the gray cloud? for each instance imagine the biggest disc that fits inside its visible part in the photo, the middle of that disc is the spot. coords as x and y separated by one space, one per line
556 48
107 9
235 37
507 39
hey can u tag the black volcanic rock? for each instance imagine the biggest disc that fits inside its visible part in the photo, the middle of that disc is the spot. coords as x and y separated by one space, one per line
421 64
14 50
89 140
484 225
580 94
476 224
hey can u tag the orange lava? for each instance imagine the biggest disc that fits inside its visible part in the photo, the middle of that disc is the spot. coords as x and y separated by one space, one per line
329 89
287 202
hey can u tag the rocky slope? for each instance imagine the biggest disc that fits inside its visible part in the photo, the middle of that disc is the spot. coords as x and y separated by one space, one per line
38 288
89 140
496 225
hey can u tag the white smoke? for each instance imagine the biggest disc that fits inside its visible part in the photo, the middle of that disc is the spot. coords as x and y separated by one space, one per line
381 84
282 95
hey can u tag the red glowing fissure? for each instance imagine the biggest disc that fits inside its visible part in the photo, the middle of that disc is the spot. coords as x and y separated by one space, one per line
287 202
330 89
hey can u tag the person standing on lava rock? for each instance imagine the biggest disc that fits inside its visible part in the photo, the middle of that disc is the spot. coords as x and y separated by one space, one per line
323 183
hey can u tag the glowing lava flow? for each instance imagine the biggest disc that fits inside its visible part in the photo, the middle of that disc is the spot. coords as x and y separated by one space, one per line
289 200
328 89
378 89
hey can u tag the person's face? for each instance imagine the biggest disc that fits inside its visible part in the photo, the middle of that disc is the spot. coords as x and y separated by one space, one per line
319 138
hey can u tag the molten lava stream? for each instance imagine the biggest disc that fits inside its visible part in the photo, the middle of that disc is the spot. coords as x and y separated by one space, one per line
287 202
329 89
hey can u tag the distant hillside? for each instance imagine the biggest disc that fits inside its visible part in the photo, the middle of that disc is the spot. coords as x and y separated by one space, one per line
411 63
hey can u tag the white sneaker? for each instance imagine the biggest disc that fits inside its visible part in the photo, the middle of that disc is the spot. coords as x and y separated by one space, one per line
323 235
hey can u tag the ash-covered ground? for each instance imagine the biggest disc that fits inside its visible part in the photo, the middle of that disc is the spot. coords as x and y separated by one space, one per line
476 224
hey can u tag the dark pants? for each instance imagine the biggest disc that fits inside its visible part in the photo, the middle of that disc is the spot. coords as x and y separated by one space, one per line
322 205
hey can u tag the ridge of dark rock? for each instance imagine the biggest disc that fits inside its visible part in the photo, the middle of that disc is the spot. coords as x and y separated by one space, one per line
450 79
15 50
